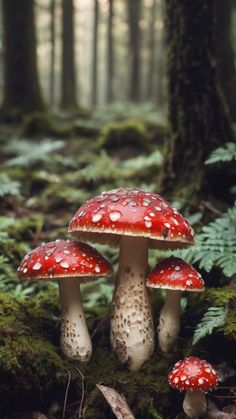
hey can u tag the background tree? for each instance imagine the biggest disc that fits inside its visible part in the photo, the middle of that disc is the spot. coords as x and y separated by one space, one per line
95 53
21 93
197 114
225 64
134 14
69 86
151 49
110 53
52 60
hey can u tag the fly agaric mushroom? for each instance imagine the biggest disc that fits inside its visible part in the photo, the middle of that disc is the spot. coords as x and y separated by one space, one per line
175 276
134 220
70 263
197 377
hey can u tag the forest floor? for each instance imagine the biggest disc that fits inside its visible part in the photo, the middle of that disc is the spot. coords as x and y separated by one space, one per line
48 170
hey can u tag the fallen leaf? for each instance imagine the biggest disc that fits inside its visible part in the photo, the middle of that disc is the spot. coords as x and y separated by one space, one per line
117 402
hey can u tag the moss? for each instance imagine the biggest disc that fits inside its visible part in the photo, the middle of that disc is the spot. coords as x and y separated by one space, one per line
130 133
33 371
39 123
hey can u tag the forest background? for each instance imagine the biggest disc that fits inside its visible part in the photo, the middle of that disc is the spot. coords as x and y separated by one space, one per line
97 95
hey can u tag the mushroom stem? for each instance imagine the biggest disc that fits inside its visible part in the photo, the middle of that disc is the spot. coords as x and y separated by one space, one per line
169 323
132 335
75 340
195 404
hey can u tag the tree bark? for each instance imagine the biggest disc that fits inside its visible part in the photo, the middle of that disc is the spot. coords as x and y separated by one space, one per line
52 55
134 13
68 100
198 116
225 64
21 85
95 53
110 53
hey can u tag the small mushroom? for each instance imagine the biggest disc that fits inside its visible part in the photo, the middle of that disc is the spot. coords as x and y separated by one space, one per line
134 220
196 377
70 263
174 275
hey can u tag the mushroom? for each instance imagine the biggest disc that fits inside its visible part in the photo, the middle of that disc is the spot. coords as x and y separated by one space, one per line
197 377
70 263
135 220
174 275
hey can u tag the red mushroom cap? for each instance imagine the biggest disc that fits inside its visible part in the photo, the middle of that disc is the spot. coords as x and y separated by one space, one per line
174 273
193 374
131 212
63 258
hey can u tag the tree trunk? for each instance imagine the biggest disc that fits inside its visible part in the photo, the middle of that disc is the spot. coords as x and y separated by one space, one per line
21 85
68 100
197 114
225 65
95 53
134 12
110 53
151 51
52 56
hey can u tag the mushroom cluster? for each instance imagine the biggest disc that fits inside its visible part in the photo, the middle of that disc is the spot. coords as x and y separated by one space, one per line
133 220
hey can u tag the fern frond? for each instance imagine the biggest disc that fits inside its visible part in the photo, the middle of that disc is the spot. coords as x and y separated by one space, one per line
29 153
222 154
216 245
8 186
214 317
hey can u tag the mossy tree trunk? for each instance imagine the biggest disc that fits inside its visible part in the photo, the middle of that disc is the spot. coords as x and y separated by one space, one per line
198 116
134 13
68 99
21 93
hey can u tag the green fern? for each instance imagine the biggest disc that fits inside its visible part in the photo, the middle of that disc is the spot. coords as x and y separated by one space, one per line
223 154
216 245
8 186
29 153
214 317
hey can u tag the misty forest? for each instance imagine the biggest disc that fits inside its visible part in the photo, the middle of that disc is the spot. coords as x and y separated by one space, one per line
118 211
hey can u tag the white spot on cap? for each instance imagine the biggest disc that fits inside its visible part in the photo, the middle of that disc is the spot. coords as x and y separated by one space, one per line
67 252
115 216
176 380
64 264
158 208
183 378
58 259
37 266
177 268
167 225
25 270
148 224
201 380
96 217
97 269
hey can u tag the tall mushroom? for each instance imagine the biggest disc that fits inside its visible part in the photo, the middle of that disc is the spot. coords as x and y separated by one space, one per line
174 275
196 377
70 263
135 220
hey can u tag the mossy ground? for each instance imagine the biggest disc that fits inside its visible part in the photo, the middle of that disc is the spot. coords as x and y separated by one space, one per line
34 372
